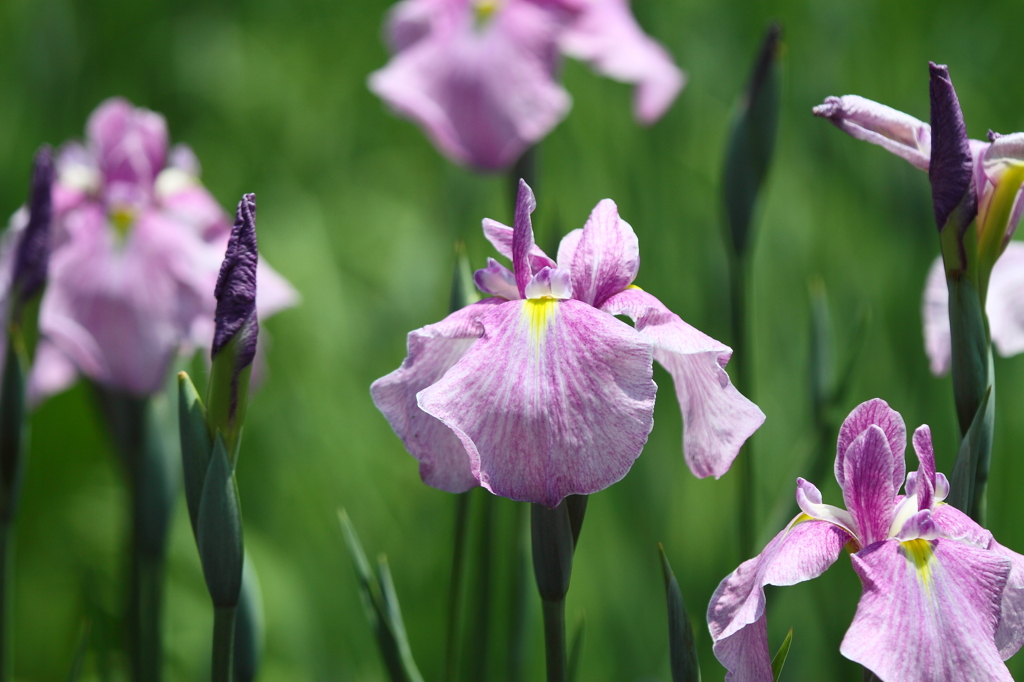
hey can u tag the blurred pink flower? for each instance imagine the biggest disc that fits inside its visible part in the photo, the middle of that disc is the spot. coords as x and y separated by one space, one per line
480 76
137 245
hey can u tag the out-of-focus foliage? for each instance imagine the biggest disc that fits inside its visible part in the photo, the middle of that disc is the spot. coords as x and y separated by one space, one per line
360 213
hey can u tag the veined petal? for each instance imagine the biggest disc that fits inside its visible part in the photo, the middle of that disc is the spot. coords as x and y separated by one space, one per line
935 316
1010 634
130 143
876 123
736 614
500 237
522 237
919 526
924 488
482 96
868 486
555 398
432 350
808 498
550 283
605 258
606 36
877 412
496 280
929 611
956 525
717 419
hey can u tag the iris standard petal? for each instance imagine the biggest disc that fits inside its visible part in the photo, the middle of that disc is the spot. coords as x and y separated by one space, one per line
737 610
130 143
925 483
522 237
876 123
432 350
606 36
500 237
555 398
605 258
868 485
482 95
875 411
928 611
717 419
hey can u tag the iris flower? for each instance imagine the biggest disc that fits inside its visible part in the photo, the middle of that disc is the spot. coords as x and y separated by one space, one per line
137 245
941 600
997 171
480 76
539 391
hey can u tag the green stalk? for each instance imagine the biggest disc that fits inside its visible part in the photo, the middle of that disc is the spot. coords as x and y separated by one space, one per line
455 587
554 639
517 645
223 644
741 359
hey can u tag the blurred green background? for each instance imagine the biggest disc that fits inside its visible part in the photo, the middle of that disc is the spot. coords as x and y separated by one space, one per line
360 213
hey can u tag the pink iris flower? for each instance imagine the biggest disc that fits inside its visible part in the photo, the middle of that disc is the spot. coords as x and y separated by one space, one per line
137 243
995 161
941 600
539 392
480 76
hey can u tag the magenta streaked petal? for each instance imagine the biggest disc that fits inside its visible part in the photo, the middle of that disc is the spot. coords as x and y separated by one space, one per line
606 36
555 398
522 237
876 123
567 248
808 498
737 610
550 283
868 485
482 96
411 20
878 412
924 485
432 350
928 611
717 419
496 280
919 526
130 143
605 257
956 525
1010 634
500 237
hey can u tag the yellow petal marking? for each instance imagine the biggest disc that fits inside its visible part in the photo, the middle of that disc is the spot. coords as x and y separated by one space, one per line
919 552
537 315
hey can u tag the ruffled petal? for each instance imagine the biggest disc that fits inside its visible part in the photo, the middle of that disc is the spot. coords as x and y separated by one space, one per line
877 412
929 611
736 614
555 399
130 143
482 95
606 36
604 259
876 123
868 485
717 419
432 350
1010 634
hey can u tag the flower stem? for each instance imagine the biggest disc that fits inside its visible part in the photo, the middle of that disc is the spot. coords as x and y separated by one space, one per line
455 586
223 644
517 646
6 600
744 460
554 639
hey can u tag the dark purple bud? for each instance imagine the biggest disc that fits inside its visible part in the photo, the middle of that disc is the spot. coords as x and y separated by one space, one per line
236 287
951 166
33 253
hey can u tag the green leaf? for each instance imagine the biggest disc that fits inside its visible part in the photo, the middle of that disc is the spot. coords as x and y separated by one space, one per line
682 648
752 141
219 530
780 656
249 625
576 651
80 651
463 289
195 444
576 506
973 448
969 344
380 601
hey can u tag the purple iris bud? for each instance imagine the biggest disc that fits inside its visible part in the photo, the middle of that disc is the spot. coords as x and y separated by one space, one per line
481 76
33 253
541 392
236 287
951 169
941 600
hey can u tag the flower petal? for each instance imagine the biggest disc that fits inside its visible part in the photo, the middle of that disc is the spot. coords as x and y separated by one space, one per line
736 614
808 498
522 237
496 280
935 316
924 487
606 257
1010 634
482 96
432 350
929 611
606 36
500 237
52 372
876 123
1005 305
868 485
555 398
130 143
717 419
878 412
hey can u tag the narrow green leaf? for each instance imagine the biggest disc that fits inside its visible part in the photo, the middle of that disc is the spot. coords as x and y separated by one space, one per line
369 587
249 628
396 626
576 505
682 648
463 289
752 141
195 444
219 530
968 347
780 656
974 446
